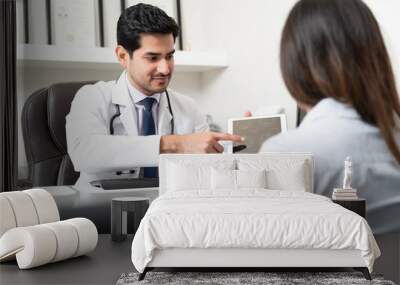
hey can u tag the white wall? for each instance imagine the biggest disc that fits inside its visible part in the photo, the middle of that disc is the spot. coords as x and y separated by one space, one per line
387 14
249 31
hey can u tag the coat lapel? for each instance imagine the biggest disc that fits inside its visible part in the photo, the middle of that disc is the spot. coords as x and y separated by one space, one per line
164 119
120 96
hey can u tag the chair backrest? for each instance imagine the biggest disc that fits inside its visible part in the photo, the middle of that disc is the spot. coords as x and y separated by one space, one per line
43 129
285 171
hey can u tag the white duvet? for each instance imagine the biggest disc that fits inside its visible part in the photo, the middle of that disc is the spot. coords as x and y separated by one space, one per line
250 219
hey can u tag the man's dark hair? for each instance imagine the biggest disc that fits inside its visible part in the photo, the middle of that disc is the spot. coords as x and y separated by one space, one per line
143 19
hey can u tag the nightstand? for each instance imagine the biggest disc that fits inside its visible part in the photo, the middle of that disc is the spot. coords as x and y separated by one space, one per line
119 215
358 206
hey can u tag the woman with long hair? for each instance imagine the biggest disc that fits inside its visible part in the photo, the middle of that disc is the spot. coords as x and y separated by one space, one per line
335 65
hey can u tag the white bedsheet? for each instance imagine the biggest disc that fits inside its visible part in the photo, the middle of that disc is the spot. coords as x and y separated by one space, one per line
250 219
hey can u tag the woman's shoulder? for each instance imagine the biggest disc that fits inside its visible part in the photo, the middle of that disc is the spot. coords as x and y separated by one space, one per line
296 140
364 141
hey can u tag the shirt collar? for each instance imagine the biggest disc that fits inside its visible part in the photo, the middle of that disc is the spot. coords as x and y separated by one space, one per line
138 96
329 108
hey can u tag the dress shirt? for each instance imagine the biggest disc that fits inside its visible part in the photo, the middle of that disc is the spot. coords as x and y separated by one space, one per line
137 97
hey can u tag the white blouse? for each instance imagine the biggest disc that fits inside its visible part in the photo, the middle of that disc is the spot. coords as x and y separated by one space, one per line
332 131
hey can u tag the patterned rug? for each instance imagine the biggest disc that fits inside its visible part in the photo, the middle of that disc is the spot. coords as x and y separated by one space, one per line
243 278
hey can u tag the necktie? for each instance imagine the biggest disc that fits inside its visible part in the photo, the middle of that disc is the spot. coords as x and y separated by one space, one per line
148 130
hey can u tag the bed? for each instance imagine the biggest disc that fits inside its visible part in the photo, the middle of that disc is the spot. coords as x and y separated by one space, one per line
247 211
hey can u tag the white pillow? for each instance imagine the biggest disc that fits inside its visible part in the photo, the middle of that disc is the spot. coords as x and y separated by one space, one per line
281 174
184 176
251 178
225 179
288 176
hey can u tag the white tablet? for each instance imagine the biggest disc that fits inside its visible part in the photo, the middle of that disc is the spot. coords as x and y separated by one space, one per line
255 130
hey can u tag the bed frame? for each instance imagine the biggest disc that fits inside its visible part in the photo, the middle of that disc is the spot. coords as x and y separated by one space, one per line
233 259
250 259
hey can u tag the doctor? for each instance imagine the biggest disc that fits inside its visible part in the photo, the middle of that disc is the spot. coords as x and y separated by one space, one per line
116 127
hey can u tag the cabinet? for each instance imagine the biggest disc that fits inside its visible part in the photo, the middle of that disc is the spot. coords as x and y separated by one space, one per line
357 206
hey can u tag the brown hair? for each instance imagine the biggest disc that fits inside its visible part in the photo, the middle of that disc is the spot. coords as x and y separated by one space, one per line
334 48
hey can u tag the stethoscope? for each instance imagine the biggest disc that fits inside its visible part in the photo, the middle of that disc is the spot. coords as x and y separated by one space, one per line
118 113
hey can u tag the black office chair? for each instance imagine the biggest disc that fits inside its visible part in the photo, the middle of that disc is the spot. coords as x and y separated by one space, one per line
43 129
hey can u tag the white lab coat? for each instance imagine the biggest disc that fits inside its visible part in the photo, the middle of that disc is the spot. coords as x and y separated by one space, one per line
98 155
332 131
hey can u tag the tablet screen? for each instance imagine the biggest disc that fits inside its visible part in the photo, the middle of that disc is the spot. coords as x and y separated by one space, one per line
256 130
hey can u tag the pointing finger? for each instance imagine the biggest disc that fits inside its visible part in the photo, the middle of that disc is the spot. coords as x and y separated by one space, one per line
228 137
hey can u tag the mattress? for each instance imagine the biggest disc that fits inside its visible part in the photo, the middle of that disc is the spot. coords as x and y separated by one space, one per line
250 219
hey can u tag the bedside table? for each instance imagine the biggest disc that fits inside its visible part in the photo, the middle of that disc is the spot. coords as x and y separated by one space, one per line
120 207
358 206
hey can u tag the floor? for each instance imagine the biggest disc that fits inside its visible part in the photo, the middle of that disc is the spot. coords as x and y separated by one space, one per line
388 263
102 266
110 259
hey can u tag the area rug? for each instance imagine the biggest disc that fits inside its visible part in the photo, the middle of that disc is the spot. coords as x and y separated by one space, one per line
243 278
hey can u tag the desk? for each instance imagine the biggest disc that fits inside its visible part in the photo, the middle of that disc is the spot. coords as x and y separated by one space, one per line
102 266
93 203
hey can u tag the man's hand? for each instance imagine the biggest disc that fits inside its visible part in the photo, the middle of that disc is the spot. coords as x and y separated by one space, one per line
196 143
